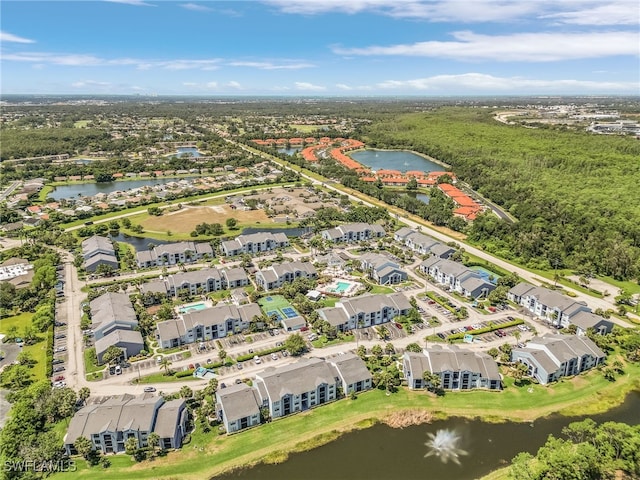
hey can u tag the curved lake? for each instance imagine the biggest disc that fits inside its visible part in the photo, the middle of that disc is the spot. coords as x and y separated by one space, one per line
381 452
139 243
182 151
290 151
90 189
402 160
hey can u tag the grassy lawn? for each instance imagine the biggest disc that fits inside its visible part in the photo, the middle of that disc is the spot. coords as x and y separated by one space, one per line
381 289
44 193
89 361
38 351
584 395
305 128
324 342
143 209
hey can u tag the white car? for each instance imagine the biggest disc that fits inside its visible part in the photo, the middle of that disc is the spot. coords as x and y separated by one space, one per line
59 384
274 356
257 359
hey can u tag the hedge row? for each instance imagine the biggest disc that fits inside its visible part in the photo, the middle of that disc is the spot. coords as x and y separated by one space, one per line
49 353
249 356
185 373
513 323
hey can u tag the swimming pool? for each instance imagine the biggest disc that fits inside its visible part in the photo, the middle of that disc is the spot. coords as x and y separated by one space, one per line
486 275
192 307
342 287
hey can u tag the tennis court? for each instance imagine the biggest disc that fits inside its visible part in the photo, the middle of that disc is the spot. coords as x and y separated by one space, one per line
277 305
289 312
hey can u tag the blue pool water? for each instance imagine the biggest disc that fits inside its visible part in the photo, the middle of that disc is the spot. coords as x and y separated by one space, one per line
192 308
486 274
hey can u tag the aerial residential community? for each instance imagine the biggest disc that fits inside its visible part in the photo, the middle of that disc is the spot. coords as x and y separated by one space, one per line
220 310
234 232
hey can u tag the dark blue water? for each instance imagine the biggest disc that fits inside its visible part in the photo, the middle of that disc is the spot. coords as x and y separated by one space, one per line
90 189
192 150
290 151
402 160
420 196
139 243
383 453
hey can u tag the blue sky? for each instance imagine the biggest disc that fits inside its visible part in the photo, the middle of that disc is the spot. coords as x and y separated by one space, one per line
321 47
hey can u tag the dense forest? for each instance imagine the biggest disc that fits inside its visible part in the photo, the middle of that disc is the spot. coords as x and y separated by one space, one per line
589 452
575 194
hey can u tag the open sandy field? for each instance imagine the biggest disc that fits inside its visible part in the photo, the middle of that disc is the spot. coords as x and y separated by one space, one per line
186 219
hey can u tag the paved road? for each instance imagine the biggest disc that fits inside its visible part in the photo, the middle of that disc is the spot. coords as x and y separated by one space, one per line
9 190
419 224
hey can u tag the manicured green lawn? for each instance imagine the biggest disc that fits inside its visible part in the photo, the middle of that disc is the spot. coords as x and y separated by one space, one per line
160 377
381 289
209 454
38 351
89 363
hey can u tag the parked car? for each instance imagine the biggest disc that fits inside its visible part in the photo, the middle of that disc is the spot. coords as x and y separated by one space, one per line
149 389
58 369
240 367
192 366
223 385
238 381
59 336
256 359
274 356
59 378
57 361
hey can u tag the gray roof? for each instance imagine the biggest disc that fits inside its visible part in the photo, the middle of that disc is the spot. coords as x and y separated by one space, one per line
565 347
118 337
305 375
96 242
451 268
334 315
144 256
168 418
101 258
521 289
173 248
378 260
475 282
293 323
204 248
170 329
125 412
540 357
351 368
112 307
293 267
585 320
455 360
550 298
440 249
403 232
238 401
374 303
196 276
234 274
154 286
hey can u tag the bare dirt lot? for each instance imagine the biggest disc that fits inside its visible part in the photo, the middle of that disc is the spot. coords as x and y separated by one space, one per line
186 219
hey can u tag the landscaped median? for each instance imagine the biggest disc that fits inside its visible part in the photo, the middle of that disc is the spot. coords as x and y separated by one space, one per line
209 454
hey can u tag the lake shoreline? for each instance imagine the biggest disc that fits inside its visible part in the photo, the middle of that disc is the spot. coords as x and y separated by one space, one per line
423 155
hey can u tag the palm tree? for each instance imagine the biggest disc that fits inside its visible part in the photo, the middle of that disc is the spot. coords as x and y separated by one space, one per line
165 363
83 394
83 446
153 440
431 380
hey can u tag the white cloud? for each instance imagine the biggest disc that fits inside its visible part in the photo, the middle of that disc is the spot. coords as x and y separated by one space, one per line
81 60
584 12
618 12
342 86
309 86
9 37
234 84
190 84
196 7
271 66
525 47
212 85
135 3
479 82
90 83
